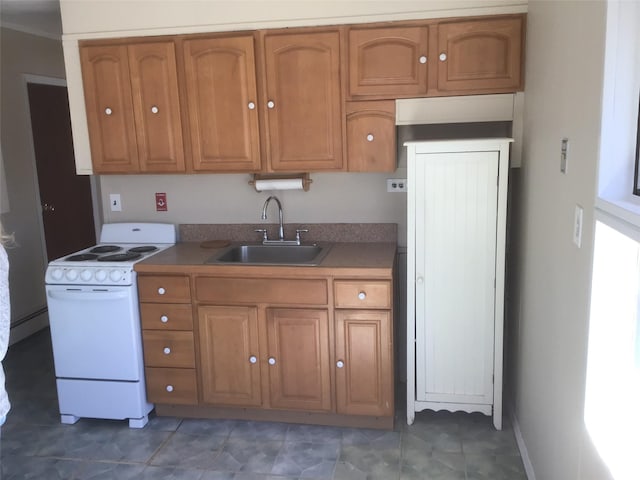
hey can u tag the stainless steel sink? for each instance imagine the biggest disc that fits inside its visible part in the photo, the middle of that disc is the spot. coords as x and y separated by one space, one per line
271 254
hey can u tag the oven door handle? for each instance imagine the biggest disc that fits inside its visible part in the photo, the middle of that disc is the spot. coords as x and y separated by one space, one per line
84 295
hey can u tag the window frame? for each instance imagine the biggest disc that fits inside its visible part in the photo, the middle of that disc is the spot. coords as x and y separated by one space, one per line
636 187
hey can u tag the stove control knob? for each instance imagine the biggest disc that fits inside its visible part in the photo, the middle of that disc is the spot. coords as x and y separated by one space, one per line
86 275
71 274
57 274
115 275
101 275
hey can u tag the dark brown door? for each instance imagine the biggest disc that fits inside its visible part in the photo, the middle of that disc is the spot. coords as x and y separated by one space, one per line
67 212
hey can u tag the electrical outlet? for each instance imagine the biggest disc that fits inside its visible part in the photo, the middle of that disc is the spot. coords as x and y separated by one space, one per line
396 184
564 149
114 201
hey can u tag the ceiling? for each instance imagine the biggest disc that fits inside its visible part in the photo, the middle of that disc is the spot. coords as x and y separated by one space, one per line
38 17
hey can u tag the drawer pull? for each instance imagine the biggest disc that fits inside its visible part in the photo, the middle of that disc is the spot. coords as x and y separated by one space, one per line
443 57
164 319
253 359
166 350
154 109
362 295
423 59
339 364
161 291
169 388
108 111
272 361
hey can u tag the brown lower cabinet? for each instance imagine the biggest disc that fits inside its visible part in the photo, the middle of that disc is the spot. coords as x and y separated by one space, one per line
229 353
315 349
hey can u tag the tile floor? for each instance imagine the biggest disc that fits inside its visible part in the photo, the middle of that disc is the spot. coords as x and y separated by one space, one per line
34 445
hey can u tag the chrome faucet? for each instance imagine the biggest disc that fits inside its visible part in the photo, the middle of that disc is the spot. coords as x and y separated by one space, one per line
280 216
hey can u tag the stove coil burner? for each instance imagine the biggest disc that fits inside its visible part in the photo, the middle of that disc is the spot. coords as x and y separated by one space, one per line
105 249
120 257
143 249
81 257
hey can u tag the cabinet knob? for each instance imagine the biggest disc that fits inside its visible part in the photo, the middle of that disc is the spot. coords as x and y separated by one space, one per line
253 359
251 105
443 57
154 109
272 361
161 291
271 104
164 319
370 137
419 280
423 59
362 295
166 350
108 111
169 388
339 364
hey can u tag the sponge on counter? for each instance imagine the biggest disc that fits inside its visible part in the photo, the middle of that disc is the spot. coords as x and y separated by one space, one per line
215 244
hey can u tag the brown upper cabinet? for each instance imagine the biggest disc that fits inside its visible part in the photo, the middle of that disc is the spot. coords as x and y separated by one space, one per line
222 100
274 100
480 56
371 136
133 108
462 56
303 98
388 61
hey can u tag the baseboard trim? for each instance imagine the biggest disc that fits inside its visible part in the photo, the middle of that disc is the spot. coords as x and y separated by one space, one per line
524 453
28 326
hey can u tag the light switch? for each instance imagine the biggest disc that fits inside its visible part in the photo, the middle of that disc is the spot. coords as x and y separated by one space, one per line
114 201
577 226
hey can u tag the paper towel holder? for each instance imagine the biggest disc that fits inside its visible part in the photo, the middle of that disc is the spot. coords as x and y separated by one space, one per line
306 180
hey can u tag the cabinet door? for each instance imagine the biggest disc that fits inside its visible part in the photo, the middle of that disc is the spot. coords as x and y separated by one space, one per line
388 62
298 358
154 85
364 374
222 99
304 101
371 136
456 202
229 355
480 56
107 92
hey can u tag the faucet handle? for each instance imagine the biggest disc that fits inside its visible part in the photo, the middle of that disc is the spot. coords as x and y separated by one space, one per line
298 232
263 231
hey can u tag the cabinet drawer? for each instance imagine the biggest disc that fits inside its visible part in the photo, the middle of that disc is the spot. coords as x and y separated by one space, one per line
365 294
164 289
248 290
171 385
166 316
168 349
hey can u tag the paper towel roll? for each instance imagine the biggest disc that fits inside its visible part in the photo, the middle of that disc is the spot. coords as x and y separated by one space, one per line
279 184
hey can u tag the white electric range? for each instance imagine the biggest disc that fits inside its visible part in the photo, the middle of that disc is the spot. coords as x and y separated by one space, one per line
94 317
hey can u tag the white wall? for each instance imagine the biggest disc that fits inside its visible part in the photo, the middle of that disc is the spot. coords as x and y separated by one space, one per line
23 54
564 82
332 198
123 17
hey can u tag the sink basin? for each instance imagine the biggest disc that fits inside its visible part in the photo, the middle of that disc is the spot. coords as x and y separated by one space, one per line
271 255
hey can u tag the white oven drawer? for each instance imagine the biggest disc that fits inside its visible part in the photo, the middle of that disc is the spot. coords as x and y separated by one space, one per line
95 332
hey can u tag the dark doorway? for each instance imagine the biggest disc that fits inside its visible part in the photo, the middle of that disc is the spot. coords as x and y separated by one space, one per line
67 210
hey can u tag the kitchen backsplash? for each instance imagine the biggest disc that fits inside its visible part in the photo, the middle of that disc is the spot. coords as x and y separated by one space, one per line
318 232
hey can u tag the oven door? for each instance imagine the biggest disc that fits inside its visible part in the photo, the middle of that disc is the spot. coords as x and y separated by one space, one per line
95 332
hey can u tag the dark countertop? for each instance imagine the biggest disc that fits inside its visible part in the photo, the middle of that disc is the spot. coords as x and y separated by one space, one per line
353 259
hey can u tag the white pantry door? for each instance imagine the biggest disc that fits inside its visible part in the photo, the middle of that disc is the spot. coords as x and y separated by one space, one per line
455 260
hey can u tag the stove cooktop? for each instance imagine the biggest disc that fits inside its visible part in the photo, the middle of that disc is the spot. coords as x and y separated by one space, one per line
104 264
111 262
